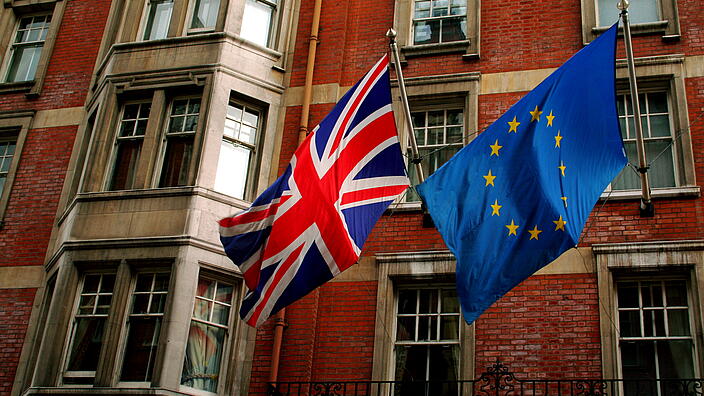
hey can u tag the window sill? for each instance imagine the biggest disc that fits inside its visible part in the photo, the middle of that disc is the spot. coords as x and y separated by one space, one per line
674 192
658 27
21 86
454 47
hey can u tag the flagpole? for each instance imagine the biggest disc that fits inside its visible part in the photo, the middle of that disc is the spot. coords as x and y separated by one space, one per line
391 34
647 209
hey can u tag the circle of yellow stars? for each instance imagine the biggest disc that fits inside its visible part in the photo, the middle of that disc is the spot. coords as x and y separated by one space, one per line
490 177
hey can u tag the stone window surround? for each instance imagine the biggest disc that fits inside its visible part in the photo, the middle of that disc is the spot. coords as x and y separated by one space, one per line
462 88
660 258
664 72
414 268
403 23
10 15
15 125
179 306
102 150
669 26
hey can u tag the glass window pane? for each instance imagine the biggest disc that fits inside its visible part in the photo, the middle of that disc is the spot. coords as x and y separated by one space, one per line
141 304
426 32
206 288
449 327
158 19
125 165
418 119
420 136
161 282
247 134
140 348
436 136
179 107
256 22
103 304
221 314
87 305
158 303
234 111
449 302
233 167
629 323
407 301
675 359
628 295
454 29
406 328
144 282
205 14
201 366
676 294
23 64
628 179
224 293
454 135
657 102
444 364
678 322
662 172
646 11
428 301
177 160
107 284
201 309
86 343
191 123
638 359
176 124
660 126
436 118
424 331
91 283
411 363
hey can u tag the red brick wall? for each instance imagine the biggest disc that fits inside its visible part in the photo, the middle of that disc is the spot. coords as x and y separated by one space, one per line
546 327
15 308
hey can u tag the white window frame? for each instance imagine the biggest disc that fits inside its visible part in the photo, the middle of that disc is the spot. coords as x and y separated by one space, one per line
641 309
274 23
229 331
254 148
437 287
668 26
126 325
189 29
13 45
112 164
145 20
72 326
165 135
441 19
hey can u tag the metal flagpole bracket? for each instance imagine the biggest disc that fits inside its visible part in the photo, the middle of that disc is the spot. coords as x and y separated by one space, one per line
647 209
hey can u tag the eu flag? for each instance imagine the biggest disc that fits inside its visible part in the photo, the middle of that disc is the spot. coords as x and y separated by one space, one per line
519 194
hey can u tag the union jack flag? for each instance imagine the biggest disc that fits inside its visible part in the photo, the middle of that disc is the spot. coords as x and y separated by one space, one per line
310 224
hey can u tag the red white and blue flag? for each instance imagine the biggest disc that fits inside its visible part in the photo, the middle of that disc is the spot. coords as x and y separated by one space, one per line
310 224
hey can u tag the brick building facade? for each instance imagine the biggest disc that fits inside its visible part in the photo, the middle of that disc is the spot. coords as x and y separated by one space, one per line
129 127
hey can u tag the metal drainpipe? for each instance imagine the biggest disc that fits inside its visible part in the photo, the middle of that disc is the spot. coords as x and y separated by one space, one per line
280 322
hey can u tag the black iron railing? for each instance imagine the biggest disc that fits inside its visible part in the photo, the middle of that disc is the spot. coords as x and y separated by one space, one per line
498 380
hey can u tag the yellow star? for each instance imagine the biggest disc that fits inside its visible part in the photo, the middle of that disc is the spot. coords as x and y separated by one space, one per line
562 168
495 148
535 114
514 125
564 199
558 139
534 232
489 178
512 228
495 208
560 224
550 118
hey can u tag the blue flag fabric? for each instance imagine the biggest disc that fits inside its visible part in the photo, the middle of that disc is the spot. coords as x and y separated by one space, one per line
519 194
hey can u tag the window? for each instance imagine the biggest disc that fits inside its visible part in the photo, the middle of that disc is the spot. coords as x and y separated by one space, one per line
239 142
645 17
88 328
427 346
655 335
179 137
641 11
158 17
27 47
439 135
439 21
133 125
144 325
258 21
7 152
658 139
205 14
207 334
